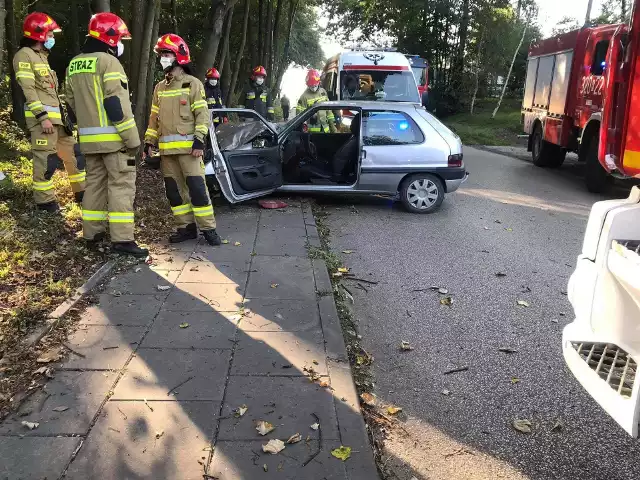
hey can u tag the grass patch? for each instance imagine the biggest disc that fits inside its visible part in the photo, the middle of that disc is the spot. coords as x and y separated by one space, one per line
481 129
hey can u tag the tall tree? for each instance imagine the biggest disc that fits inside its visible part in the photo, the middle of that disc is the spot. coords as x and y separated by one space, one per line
506 80
3 35
240 53
101 6
225 43
219 9
146 53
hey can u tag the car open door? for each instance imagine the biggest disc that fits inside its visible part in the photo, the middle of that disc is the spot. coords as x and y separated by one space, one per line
246 155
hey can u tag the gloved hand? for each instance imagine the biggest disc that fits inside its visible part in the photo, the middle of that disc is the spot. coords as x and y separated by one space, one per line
197 149
146 151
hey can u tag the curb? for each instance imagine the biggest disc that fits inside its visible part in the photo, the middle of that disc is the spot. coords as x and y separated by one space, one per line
351 426
54 317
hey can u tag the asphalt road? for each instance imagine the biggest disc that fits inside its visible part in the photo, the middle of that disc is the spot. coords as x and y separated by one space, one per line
513 218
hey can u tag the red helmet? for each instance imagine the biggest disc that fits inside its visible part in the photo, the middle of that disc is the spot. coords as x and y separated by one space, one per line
171 42
213 73
313 78
108 28
259 71
37 25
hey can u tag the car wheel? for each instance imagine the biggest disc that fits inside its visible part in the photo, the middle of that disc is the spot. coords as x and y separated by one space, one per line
422 193
596 177
545 154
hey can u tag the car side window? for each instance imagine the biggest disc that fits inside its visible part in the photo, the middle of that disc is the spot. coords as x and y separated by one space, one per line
389 128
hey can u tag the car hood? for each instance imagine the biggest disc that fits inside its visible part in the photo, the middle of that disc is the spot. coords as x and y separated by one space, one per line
231 136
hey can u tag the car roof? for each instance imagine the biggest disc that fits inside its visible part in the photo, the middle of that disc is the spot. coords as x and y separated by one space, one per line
373 105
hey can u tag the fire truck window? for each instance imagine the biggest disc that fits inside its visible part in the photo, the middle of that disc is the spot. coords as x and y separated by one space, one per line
600 58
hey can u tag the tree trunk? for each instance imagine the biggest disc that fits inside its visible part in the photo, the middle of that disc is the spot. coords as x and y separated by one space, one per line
260 38
150 73
268 33
623 11
17 97
506 80
587 17
238 64
225 43
3 35
477 84
174 17
143 59
101 6
134 54
458 67
208 55
273 54
75 28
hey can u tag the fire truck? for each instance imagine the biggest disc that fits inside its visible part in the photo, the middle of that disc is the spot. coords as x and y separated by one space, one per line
420 69
578 93
602 345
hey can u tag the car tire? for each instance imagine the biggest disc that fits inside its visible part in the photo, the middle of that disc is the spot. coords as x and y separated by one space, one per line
421 193
545 154
596 177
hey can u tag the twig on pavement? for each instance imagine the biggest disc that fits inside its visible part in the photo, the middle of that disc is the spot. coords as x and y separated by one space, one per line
73 351
356 279
308 460
457 370
179 385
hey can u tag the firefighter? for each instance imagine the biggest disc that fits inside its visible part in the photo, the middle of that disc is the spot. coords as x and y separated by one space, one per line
286 106
179 123
98 100
213 92
50 142
324 120
256 96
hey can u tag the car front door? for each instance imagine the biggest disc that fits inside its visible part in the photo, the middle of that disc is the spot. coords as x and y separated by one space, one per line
246 155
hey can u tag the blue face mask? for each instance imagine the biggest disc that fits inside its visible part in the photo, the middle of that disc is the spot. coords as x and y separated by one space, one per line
49 43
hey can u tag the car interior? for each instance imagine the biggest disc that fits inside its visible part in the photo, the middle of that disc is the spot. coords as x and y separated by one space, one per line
323 158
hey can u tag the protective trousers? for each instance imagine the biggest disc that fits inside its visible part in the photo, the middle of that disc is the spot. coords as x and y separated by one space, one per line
111 188
48 150
186 191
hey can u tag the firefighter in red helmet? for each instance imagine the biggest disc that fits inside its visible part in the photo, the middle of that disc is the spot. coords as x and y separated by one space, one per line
178 124
98 100
256 95
324 121
52 144
213 92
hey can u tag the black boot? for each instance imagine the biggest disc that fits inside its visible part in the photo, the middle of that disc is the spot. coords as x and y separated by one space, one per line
190 232
79 196
130 248
51 207
212 237
94 242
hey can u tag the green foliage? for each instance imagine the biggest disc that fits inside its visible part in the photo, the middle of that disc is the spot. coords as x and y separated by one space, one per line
481 129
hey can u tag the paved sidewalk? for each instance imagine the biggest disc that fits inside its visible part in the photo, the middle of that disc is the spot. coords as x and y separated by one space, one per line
171 350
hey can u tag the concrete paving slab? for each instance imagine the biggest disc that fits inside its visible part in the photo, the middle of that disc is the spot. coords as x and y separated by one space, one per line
287 241
183 247
205 330
143 282
279 353
205 297
103 347
246 460
268 315
285 402
292 275
131 441
80 392
169 259
282 218
35 458
196 271
123 310
229 251
166 374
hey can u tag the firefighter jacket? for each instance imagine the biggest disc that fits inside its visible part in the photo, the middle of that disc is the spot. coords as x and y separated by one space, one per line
324 120
214 100
256 97
97 93
40 86
179 115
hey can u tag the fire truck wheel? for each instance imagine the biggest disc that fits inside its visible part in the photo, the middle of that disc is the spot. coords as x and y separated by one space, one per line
546 154
596 177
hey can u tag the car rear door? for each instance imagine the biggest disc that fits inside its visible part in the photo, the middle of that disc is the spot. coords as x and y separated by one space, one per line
246 155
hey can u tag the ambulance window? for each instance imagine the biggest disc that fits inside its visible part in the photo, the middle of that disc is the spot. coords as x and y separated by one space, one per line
600 58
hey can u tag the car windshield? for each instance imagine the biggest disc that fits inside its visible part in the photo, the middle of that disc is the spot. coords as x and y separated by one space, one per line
389 86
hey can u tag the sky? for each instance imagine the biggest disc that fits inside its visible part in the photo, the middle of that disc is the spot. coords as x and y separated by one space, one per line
550 13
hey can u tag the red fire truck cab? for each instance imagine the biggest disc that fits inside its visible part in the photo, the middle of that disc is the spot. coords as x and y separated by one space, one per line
576 83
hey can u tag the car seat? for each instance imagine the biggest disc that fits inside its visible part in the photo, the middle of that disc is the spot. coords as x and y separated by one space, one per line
347 152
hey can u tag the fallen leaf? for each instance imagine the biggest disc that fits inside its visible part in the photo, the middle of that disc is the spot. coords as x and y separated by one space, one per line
264 427
446 392
61 409
348 252
343 453
237 244
523 426
522 303
323 384
501 274
448 301
184 325
274 285
443 291
315 426
138 269
315 362
507 350
369 399
225 241
486 228
509 229
240 411
265 468
274 446
405 346
554 320
30 425
163 288
557 426
295 438
515 380
159 434
343 270
393 410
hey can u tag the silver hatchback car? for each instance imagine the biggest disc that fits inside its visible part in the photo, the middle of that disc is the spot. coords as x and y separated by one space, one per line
383 148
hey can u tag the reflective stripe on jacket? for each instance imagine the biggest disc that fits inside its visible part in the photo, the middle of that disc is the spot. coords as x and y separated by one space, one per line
325 118
256 97
92 78
39 85
179 115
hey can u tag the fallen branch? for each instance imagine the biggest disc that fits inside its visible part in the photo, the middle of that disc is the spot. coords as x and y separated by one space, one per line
457 370
73 351
319 442
356 279
179 385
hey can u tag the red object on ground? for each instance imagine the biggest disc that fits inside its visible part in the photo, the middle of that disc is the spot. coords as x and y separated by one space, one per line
272 204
